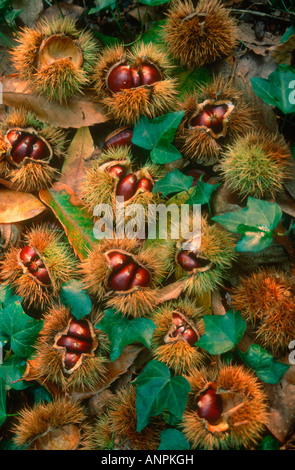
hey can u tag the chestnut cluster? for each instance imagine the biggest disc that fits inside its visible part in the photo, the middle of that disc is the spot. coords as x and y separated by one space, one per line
211 117
25 144
183 330
128 185
76 341
32 262
126 273
124 77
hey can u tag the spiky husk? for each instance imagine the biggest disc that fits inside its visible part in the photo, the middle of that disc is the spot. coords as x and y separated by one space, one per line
201 35
246 423
266 299
196 143
59 425
60 262
256 164
95 273
127 106
47 366
217 246
61 79
117 428
179 355
98 187
33 175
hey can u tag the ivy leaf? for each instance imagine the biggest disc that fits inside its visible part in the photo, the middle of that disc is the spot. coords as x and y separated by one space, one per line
74 296
164 152
154 3
255 223
102 4
269 443
157 391
173 182
172 439
11 371
275 90
266 368
2 402
157 134
123 331
202 193
222 332
19 328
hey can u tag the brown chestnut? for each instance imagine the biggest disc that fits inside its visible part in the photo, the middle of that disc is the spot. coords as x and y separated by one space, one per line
117 259
141 278
190 336
187 261
209 406
117 171
30 258
121 280
75 345
144 184
80 329
124 77
211 117
127 187
119 138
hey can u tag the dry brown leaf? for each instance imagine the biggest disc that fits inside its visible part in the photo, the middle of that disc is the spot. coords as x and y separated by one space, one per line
72 11
16 206
172 291
31 10
80 149
80 110
246 35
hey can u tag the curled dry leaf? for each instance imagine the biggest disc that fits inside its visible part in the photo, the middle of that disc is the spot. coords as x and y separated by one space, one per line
80 110
283 53
16 206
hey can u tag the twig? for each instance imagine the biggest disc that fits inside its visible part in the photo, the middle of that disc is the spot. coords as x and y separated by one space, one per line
258 13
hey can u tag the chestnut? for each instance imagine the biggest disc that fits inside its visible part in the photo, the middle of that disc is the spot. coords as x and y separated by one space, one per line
118 138
190 336
187 261
117 171
80 329
121 280
127 186
117 259
141 278
144 184
209 406
177 319
120 78
211 117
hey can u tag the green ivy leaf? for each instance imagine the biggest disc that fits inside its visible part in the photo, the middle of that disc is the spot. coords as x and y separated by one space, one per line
269 443
2 402
222 332
202 192
19 328
74 296
173 182
275 90
11 371
157 391
266 368
172 439
157 134
154 3
102 4
255 223
123 331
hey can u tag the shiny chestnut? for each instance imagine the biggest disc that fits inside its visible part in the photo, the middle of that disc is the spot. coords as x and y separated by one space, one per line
211 117
210 406
30 259
25 144
126 272
76 341
125 77
119 138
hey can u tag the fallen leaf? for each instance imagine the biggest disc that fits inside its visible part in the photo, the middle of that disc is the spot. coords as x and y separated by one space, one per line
72 11
80 149
31 10
172 291
246 35
16 206
80 111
